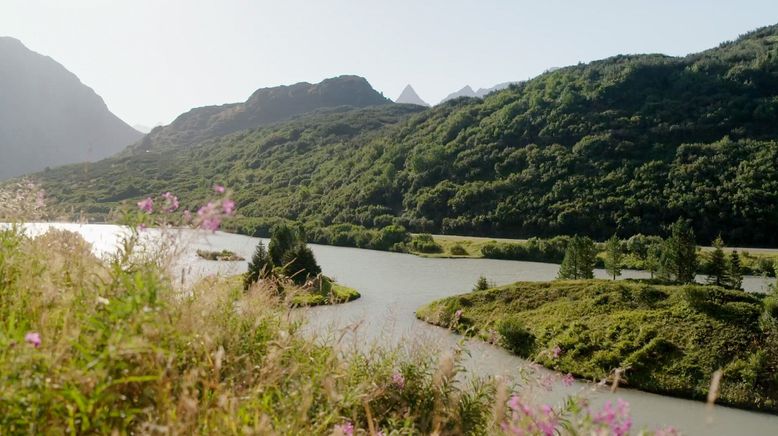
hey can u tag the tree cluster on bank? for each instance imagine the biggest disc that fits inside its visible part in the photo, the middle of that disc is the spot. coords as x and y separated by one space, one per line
674 259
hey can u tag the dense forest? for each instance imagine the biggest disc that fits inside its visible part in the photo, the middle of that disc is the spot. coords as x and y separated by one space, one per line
624 145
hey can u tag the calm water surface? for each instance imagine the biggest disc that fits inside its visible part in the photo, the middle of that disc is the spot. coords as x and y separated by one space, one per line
394 285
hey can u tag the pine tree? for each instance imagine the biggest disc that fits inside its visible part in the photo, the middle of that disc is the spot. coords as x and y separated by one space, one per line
613 256
679 254
283 239
579 259
653 256
259 267
717 264
735 271
482 284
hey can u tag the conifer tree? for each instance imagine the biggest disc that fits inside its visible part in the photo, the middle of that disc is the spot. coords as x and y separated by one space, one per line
679 254
653 257
613 256
735 271
259 267
579 260
717 268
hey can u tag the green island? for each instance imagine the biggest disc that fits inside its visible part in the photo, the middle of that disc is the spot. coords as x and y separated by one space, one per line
223 255
666 339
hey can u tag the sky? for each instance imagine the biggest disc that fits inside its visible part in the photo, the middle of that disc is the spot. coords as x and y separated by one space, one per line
152 60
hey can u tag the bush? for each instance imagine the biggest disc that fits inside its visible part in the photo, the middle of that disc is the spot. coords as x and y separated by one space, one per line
771 307
424 243
517 338
458 250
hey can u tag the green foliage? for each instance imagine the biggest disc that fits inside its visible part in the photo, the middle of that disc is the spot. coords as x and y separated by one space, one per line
482 284
423 243
458 250
614 256
627 144
579 260
735 279
679 254
535 250
667 339
516 337
260 266
716 267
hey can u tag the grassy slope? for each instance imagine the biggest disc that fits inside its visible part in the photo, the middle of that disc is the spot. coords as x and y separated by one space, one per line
670 338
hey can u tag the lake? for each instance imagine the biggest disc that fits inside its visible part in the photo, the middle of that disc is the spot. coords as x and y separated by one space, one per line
394 285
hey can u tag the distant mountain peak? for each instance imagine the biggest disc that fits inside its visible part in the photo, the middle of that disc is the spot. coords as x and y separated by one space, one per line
409 96
48 117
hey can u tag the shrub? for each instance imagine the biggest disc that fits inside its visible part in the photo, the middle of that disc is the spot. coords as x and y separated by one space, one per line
516 337
424 243
458 250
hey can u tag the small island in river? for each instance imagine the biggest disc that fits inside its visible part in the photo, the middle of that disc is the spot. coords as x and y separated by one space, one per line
667 339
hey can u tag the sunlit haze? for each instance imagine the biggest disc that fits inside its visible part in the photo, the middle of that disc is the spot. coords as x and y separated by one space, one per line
152 60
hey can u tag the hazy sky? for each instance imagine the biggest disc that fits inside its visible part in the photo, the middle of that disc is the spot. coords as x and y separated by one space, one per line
153 59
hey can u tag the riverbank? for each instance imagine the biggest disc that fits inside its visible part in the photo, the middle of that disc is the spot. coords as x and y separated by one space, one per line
662 339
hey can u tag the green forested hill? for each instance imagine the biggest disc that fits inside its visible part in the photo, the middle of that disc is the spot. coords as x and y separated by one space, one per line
626 144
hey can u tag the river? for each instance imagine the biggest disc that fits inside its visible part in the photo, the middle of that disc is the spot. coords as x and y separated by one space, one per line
394 285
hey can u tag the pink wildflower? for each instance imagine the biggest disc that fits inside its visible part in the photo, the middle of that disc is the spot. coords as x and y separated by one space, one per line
146 205
398 380
346 429
209 217
617 419
228 206
187 216
546 382
556 351
458 314
171 202
33 338
568 379
219 189
667 431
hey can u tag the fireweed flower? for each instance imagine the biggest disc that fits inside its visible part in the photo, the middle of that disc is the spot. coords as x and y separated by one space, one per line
171 202
209 216
219 189
146 205
556 351
346 429
568 379
398 380
228 206
33 338
617 420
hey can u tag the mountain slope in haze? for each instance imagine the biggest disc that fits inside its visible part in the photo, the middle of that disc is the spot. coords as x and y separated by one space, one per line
409 96
265 106
48 117
627 144
467 91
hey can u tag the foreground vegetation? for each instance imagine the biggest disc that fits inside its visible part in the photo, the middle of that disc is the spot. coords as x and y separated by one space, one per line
102 346
658 338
